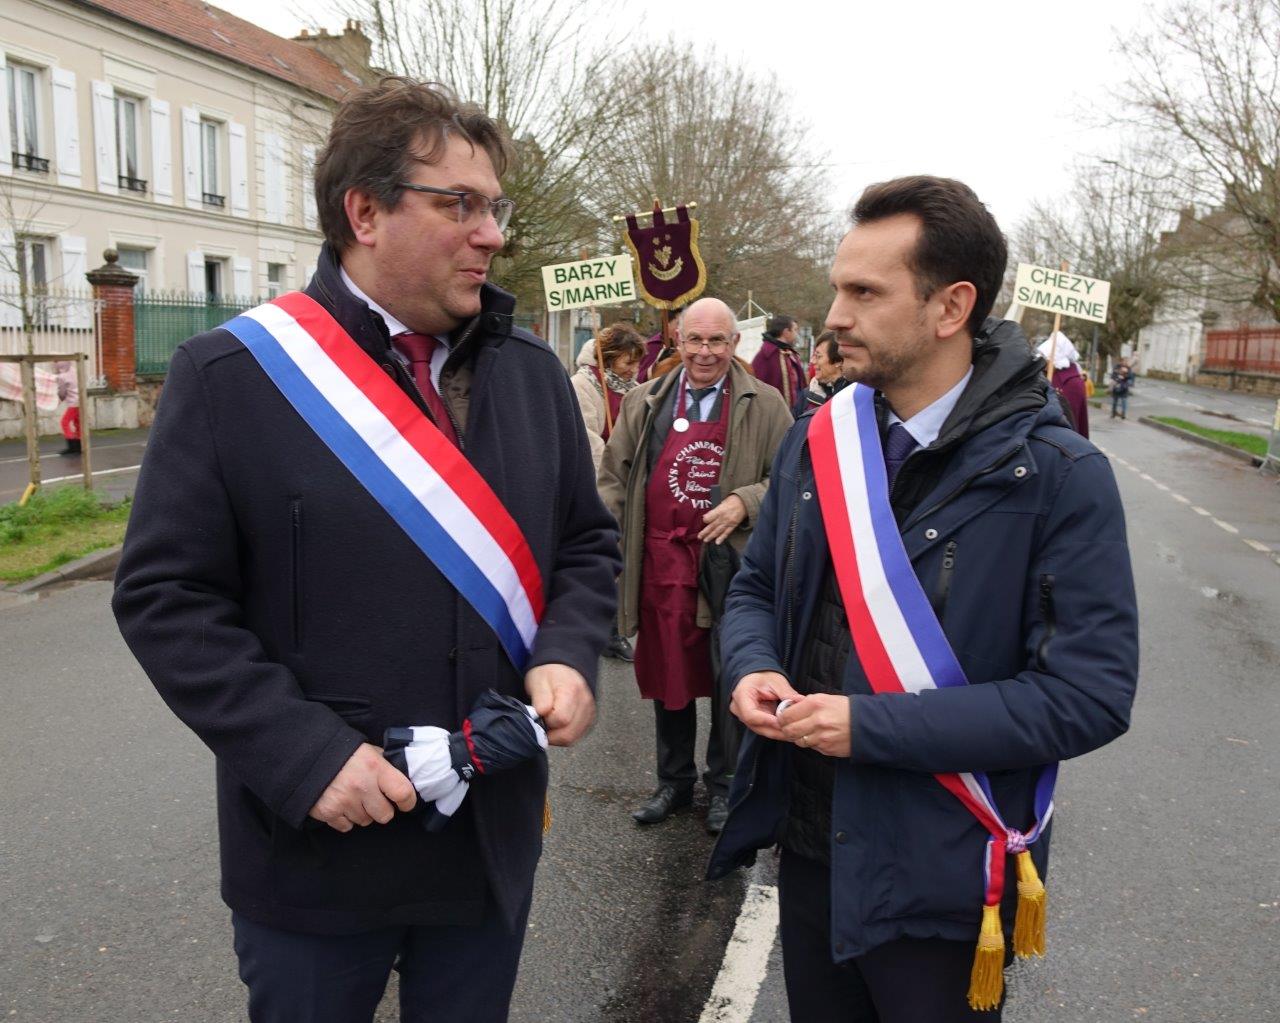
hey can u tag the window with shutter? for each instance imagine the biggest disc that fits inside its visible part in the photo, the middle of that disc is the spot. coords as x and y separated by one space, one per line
127 130
210 181
24 118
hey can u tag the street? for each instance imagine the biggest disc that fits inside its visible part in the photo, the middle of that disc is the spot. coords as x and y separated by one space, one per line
1164 891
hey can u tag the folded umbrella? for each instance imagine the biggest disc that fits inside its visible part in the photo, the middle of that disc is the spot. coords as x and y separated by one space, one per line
500 733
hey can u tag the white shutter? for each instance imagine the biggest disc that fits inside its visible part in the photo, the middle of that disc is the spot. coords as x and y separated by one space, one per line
78 312
66 127
195 272
273 160
239 159
104 137
309 187
161 152
6 148
10 302
191 164
242 275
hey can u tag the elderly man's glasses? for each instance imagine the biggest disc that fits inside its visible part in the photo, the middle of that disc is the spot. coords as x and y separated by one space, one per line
715 345
471 206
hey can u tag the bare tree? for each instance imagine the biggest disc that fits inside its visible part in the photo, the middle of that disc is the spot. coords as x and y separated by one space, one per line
533 68
1204 85
700 129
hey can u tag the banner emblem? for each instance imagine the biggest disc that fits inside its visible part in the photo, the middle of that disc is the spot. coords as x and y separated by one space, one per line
671 273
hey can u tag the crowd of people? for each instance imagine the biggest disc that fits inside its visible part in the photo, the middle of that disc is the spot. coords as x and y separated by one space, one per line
372 509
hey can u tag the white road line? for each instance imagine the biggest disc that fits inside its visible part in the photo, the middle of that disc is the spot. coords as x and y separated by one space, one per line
1201 511
1261 547
1161 486
1179 498
1149 479
97 472
1225 525
733 998
96 448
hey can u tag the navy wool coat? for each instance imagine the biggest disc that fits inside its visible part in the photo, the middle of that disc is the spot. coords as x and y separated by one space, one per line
286 619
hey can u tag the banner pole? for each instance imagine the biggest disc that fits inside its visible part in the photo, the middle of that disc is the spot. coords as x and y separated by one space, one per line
1057 326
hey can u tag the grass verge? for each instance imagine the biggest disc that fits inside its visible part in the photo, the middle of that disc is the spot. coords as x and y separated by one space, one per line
1244 441
55 527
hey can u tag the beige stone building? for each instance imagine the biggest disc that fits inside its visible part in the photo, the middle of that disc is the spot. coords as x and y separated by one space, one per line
171 131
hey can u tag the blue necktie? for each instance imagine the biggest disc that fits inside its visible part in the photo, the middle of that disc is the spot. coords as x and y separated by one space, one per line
694 412
898 444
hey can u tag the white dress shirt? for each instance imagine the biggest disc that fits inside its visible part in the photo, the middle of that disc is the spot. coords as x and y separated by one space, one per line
708 401
395 327
926 424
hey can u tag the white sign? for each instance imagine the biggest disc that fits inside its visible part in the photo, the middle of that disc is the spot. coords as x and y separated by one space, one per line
604 281
1057 291
752 332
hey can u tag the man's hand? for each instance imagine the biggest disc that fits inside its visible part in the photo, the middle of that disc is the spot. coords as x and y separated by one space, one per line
819 721
364 791
723 519
755 702
563 700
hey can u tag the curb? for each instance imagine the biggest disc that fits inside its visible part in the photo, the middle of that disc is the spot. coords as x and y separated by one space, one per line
90 565
1195 438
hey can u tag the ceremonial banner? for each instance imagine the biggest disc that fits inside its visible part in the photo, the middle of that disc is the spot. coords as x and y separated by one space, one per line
670 268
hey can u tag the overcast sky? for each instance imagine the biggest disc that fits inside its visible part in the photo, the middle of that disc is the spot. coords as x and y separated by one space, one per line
1003 94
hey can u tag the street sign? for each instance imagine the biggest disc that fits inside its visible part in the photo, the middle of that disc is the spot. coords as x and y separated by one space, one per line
607 280
1057 291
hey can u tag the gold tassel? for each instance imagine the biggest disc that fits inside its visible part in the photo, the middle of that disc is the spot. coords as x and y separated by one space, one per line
1028 926
986 983
546 813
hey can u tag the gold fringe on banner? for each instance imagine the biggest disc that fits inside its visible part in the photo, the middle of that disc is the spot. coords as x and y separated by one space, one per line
546 813
1028 926
986 983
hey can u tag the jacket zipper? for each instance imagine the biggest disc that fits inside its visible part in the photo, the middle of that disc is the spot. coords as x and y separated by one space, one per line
1049 617
789 555
943 588
295 546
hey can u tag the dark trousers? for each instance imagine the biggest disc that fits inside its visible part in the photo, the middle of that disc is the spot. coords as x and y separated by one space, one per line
447 974
677 735
905 981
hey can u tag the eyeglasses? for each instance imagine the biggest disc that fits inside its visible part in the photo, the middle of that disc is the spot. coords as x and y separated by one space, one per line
716 345
472 204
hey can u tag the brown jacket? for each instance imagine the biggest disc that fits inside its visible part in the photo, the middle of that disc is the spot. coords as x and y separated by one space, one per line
758 419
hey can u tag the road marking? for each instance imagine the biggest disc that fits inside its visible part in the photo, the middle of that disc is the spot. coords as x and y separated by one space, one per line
1146 477
1161 486
1201 511
1260 547
1180 498
1225 525
96 448
746 959
97 472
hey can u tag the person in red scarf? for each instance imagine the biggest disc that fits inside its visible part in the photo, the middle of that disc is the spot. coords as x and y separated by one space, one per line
618 349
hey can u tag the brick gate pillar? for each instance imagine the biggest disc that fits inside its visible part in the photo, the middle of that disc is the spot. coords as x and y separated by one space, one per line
114 285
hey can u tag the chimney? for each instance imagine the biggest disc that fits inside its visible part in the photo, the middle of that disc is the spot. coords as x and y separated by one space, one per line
352 50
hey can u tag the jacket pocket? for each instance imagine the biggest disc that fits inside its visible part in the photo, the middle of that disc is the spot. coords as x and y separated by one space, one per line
295 574
942 588
350 708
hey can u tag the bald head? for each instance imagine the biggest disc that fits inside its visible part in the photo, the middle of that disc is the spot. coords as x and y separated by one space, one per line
708 339
713 308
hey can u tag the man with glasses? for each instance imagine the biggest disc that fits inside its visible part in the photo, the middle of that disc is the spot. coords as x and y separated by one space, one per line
314 557
687 464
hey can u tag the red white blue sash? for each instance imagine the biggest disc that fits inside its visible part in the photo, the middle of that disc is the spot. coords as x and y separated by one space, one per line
898 638
396 453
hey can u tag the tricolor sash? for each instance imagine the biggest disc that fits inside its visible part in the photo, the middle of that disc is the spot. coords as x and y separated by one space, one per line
902 649
399 456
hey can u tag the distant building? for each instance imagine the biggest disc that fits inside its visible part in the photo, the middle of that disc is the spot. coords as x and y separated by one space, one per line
169 130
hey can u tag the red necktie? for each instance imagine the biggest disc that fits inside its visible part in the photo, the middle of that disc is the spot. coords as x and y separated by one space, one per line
418 348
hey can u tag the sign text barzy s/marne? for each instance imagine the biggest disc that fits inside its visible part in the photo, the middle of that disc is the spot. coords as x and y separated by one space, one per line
1057 291
607 280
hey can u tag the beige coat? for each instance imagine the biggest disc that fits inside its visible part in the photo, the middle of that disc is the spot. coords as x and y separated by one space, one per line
757 422
586 385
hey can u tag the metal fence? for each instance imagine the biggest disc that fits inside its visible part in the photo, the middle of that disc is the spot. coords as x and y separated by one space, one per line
1246 350
162 320
41 320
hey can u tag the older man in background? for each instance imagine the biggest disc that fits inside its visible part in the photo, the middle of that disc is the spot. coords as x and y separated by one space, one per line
687 464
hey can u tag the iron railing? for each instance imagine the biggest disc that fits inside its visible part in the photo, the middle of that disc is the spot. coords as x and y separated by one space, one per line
162 320
31 162
132 184
1246 350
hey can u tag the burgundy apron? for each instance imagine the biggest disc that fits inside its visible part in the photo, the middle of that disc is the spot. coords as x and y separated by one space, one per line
673 655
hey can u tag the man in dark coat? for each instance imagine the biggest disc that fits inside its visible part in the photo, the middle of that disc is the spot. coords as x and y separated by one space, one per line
289 620
1014 529
778 364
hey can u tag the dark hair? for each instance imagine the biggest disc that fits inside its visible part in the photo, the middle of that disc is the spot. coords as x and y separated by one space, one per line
959 239
827 340
618 341
777 324
380 131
